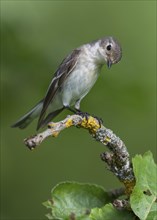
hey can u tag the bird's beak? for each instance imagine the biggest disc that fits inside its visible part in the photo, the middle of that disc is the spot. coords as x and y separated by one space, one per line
109 63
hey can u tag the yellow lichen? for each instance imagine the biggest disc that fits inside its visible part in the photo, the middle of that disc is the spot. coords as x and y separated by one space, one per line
84 123
55 134
69 123
107 140
91 124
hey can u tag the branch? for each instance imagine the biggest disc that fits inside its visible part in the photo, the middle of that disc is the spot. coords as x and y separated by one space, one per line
118 159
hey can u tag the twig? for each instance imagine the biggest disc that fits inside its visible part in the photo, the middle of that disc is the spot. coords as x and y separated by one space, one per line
117 159
121 204
116 193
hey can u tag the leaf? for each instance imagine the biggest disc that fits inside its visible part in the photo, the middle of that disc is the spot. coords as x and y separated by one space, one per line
153 212
144 195
108 212
71 200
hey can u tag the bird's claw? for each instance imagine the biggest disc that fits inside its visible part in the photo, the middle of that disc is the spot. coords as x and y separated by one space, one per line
86 116
83 114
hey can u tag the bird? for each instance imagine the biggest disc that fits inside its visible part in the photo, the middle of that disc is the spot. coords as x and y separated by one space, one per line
73 79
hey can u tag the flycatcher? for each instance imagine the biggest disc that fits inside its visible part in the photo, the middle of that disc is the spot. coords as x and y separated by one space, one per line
73 80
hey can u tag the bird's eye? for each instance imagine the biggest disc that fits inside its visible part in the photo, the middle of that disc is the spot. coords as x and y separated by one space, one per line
108 47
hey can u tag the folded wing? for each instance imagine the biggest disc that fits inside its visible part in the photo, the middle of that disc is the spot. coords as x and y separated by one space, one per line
63 71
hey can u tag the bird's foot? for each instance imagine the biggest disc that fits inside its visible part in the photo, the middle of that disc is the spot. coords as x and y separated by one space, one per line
71 109
78 112
83 114
86 116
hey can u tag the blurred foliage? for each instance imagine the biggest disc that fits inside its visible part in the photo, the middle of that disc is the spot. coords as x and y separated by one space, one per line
35 37
144 195
71 200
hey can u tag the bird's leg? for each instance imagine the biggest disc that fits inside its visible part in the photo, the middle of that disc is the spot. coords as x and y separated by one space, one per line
71 109
85 114
78 112
77 105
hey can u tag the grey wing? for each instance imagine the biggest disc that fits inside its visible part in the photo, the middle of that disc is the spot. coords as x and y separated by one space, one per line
63 71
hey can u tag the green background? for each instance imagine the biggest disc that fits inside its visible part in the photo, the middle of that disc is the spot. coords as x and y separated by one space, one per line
35 37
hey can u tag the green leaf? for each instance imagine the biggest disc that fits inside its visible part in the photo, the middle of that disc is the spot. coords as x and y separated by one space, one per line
71 200
144 195
108 212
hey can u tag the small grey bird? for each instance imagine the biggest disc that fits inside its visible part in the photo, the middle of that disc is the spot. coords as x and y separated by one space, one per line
73 80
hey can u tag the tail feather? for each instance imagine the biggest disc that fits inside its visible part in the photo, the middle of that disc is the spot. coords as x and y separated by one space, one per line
29 117
48 118
24 121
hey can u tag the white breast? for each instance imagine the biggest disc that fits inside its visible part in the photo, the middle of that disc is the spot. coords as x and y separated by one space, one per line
80 81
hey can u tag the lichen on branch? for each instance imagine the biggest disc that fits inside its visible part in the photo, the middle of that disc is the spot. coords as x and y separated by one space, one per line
117 159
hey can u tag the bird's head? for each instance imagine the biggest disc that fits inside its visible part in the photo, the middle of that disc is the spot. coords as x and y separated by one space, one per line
110 50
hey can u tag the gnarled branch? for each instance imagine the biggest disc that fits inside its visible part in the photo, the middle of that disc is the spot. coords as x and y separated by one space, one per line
117 159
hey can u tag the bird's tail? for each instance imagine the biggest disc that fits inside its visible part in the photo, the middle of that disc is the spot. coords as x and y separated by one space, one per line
49 117
24 121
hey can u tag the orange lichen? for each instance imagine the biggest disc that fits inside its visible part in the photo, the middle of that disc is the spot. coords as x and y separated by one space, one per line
129 185
91 124
55 133
69 123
